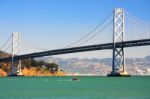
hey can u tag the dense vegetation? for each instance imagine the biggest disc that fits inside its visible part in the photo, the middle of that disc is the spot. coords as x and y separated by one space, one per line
30 65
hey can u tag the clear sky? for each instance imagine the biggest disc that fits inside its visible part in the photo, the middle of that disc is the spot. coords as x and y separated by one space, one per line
56 23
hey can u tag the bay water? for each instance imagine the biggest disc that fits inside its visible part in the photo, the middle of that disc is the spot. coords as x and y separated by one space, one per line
87 87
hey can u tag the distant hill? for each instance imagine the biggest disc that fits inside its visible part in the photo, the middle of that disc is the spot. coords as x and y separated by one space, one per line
4 54
135 66
147 58
94 66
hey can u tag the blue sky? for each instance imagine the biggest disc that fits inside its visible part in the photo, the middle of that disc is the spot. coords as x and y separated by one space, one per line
57 23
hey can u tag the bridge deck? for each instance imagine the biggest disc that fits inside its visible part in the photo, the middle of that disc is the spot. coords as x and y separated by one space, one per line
143 42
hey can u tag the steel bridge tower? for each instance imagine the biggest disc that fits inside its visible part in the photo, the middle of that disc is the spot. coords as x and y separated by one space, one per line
118 60
15 51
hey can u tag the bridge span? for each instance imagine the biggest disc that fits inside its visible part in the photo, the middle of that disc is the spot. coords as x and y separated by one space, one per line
133 43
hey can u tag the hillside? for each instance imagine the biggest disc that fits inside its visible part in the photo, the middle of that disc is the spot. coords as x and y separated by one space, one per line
134 66
75 66
31 67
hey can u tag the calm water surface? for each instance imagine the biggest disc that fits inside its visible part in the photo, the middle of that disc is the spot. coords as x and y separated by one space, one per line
65 88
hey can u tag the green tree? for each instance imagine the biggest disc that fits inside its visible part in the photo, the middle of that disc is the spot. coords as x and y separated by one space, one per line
52 67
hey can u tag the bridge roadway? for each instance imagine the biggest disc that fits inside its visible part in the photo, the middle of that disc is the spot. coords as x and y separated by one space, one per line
133 43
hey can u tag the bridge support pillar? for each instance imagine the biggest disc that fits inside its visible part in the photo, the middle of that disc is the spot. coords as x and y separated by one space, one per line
118 60
19 72
15 71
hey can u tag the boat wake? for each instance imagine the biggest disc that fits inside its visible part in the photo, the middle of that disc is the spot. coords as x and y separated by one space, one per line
64 80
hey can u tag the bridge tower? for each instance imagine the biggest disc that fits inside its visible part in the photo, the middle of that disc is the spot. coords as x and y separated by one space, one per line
15 51
118 60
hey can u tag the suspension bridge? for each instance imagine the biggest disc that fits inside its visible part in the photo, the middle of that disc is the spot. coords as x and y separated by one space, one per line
118 30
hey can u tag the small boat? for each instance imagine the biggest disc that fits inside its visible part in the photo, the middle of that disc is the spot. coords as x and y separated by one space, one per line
75 79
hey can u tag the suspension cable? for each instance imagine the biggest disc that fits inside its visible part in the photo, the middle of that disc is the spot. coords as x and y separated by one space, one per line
33 46
135 18
96 33
93 30
5 43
